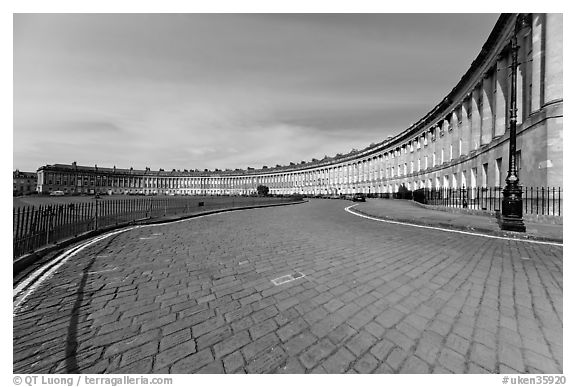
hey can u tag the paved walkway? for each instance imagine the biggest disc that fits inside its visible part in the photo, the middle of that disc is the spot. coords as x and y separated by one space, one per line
412 212
366 297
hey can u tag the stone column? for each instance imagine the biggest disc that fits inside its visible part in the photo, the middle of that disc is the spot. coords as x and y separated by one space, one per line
487 115
475 124
553 75
465 127
537 63
501 91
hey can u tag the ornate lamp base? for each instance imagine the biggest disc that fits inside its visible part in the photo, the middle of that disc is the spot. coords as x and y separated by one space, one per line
511 219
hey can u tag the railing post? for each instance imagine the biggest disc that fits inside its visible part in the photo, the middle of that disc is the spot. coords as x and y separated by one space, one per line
553 201
95 213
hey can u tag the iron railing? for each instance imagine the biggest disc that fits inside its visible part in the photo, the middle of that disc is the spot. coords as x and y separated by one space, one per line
38 226
535 200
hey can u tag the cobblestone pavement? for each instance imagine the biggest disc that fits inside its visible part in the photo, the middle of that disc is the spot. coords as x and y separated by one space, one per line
197 296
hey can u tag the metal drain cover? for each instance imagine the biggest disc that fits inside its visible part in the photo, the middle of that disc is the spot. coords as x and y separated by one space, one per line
287 278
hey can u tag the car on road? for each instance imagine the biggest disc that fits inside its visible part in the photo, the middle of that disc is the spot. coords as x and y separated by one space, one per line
359 197
57 193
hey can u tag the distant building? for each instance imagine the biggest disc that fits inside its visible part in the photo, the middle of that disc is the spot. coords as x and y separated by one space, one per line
24 183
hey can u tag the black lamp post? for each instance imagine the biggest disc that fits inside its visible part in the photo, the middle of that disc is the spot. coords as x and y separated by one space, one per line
512 193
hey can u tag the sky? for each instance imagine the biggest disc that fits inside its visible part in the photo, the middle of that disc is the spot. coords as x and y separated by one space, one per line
196 91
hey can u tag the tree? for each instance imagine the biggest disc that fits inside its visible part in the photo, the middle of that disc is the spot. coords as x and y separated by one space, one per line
262 190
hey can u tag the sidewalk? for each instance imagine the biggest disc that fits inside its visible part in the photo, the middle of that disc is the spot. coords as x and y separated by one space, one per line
412 212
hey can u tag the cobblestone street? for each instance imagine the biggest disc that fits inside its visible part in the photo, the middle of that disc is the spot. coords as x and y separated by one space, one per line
365 297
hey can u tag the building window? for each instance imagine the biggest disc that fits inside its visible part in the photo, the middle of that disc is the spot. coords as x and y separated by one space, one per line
484 175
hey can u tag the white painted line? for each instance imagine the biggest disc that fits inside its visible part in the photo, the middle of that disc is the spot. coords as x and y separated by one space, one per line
347 209
146 238
102 271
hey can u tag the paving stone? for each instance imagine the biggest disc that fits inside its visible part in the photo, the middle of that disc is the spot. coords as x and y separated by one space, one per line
299 342
458 344
366 364
263 328
383 369
292 366
267 362
312 356
315 315
175 338
396 358
254 348
123 344
414 365
215 367
342 333
389 318
381 349
542 363
286 316
242 324
452 361
213 337
139 353
474 368
339 362
231 344
158 322
483 356
207 326
174 354
399 339
193 362
333 305
143 366
233 362
360 343
375 329
264 314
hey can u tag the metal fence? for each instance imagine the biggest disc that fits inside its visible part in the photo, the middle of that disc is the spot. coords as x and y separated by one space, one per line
535 200
35 227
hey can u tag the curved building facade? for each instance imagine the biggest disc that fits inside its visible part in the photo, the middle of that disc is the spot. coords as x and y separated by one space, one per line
462 142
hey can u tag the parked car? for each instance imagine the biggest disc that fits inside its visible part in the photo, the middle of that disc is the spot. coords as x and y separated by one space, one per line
359 197
57 193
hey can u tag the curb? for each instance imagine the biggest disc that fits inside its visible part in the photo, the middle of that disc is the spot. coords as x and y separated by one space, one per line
28 260
484 231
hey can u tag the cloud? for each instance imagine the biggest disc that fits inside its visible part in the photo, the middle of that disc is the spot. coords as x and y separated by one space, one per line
227 91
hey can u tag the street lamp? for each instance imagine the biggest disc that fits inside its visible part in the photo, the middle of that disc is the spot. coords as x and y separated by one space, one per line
512 193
